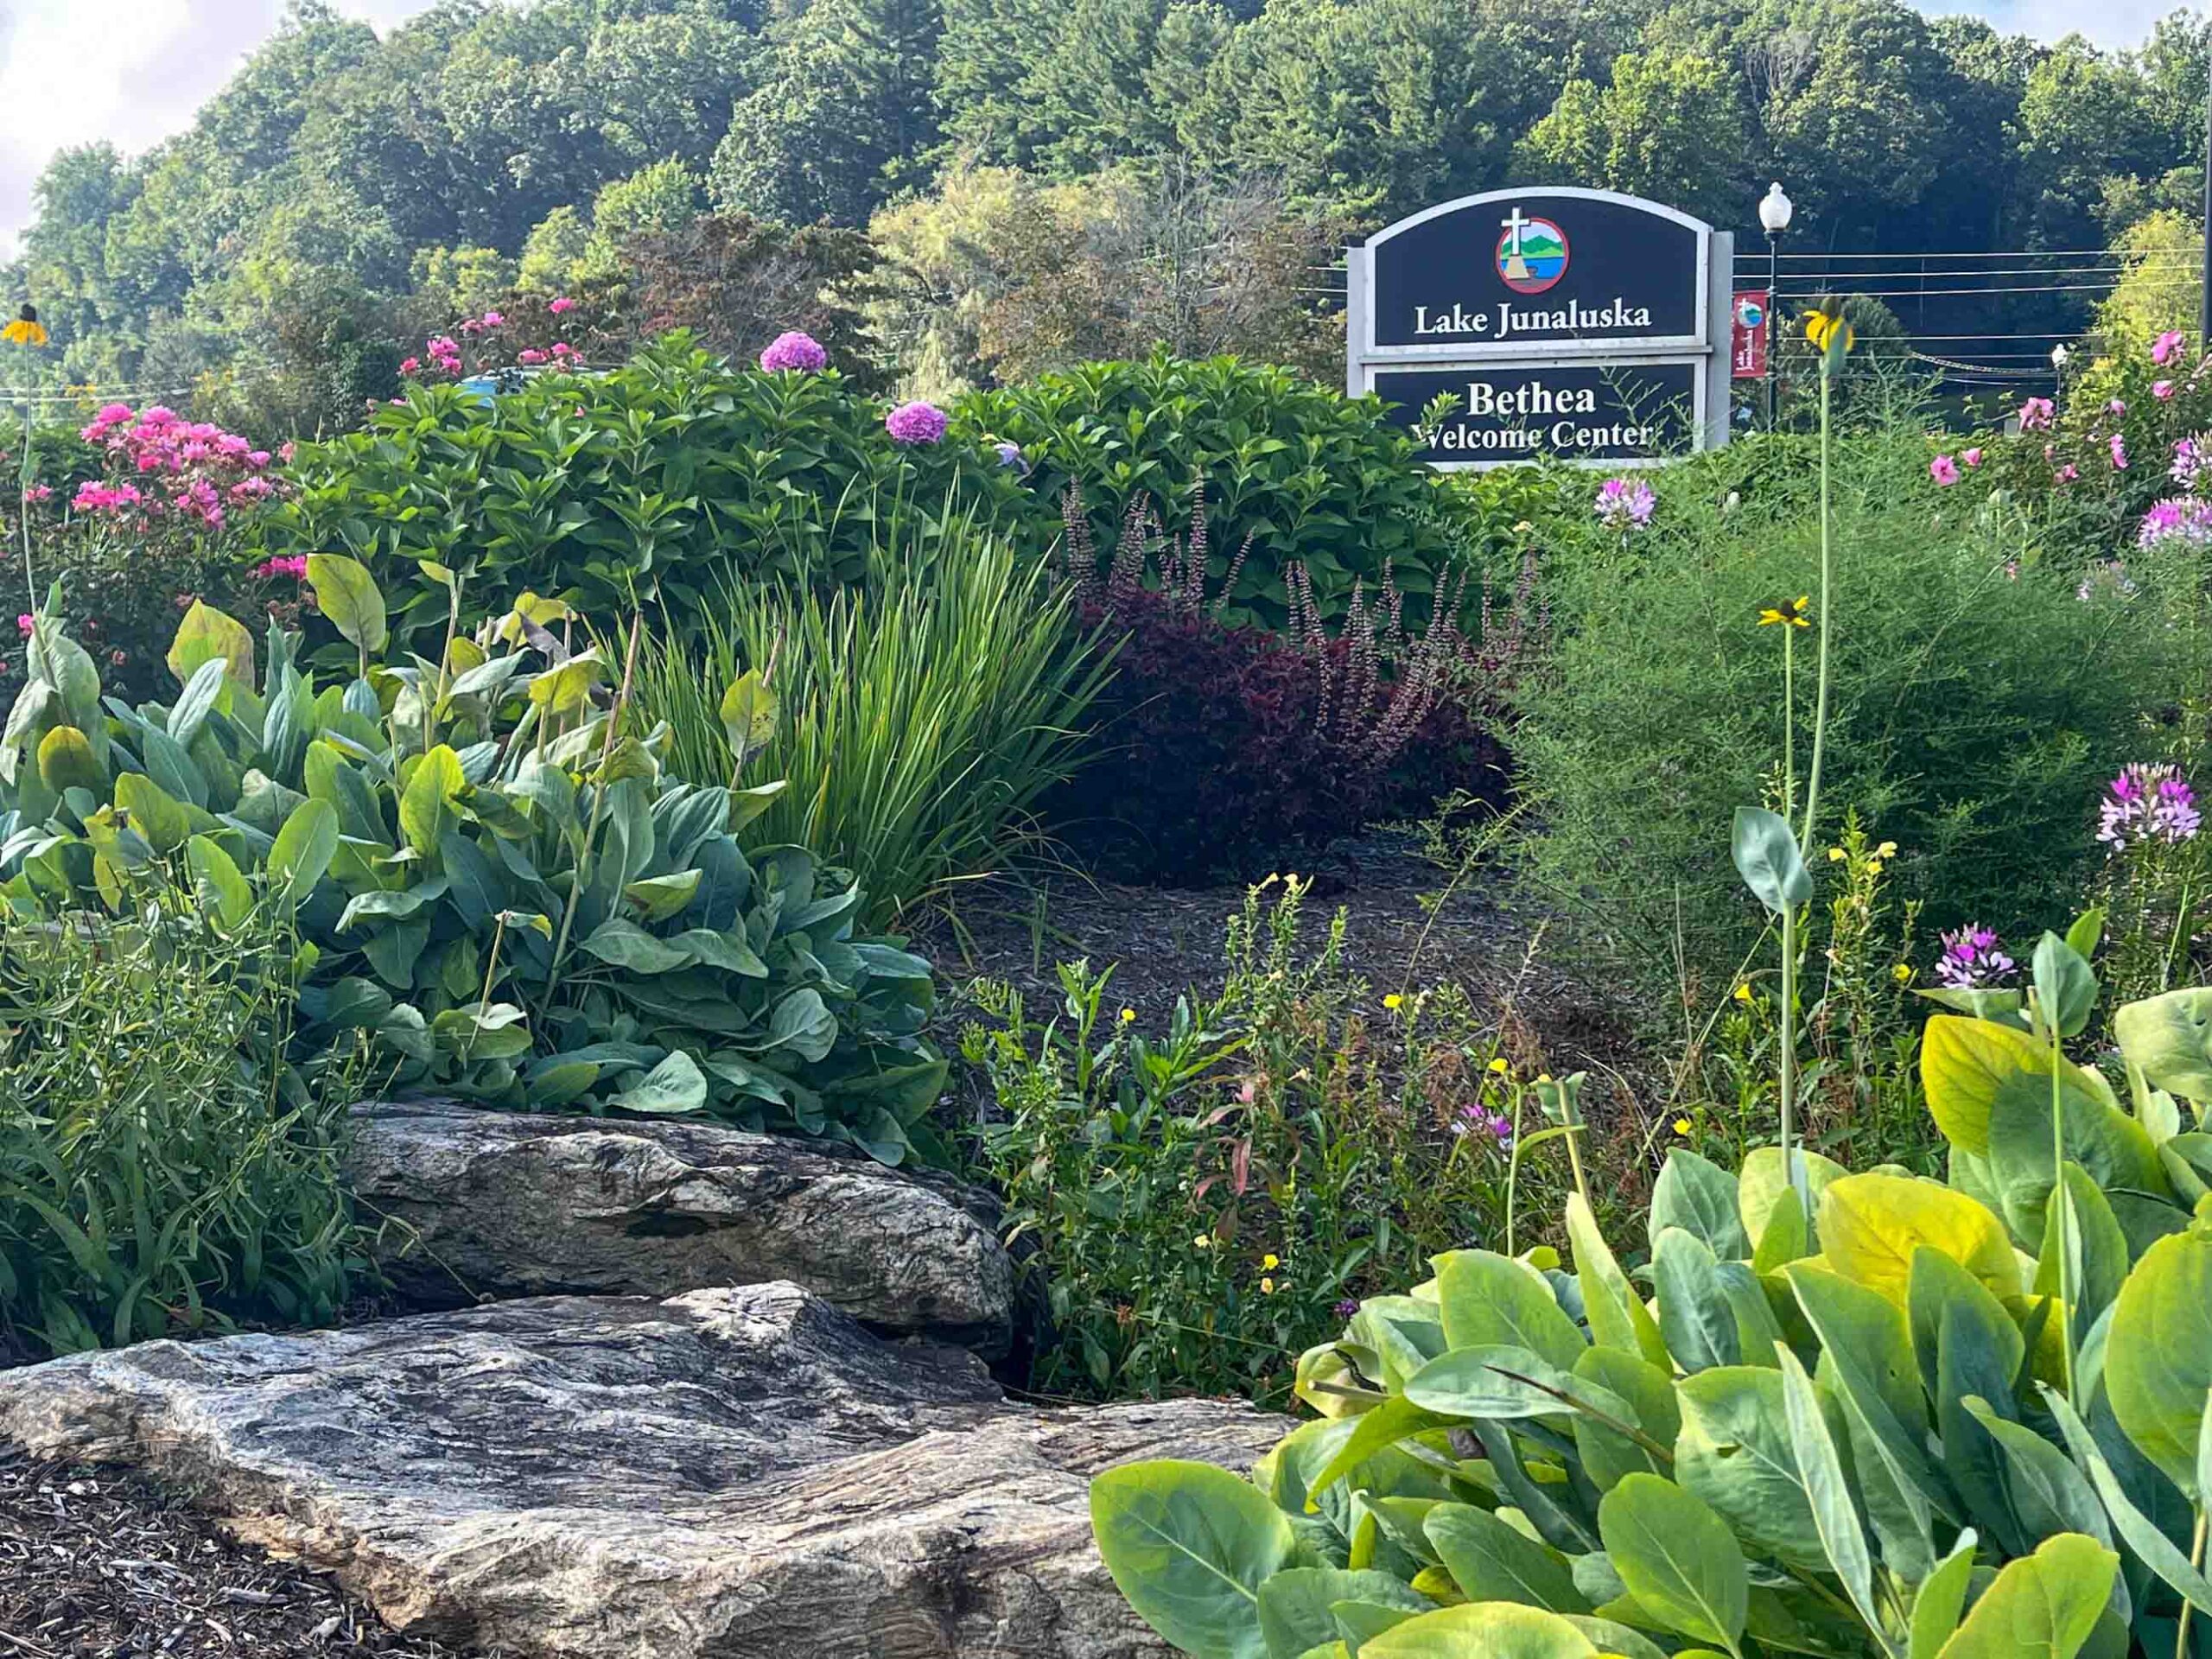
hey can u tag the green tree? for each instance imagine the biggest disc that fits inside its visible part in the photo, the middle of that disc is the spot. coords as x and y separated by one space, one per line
1671 126
842 116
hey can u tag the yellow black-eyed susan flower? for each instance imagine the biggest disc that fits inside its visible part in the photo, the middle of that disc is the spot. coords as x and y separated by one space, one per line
1796 612
1831 334
26 330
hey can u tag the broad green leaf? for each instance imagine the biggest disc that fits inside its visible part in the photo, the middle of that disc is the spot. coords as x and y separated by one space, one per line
1942 1597
2115 1150
1189 1545
1375 1429
153 811
1617 1315
1648 1394
1294 1603
1870 1226
749 715
1767 857
1734 1452
2049 1493
659 897
1492 1561
623 944
1497 1380
803 1023
66 761
1489 1300
1485 1629
1694 1315
2158 1357
1963 1065
1677 1557
2170 1037
675 1086
2141 1535
346 593
426 804
1835 1516
1698 1196
219 882
2087 933
303 849
2044 1605
2066 989
1761 1184
207 634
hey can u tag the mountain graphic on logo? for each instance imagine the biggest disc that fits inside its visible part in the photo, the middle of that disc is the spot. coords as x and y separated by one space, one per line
1531 254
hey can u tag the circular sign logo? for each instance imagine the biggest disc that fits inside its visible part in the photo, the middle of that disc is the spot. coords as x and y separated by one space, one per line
1531 252
1749 312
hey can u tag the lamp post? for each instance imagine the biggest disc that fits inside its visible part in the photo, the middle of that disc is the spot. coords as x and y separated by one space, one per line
1775 209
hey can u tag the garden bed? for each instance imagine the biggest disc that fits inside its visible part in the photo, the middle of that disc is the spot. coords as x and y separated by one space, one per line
1165 941
92 1562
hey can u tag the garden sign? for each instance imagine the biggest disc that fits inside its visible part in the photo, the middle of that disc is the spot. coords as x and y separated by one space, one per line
1574 325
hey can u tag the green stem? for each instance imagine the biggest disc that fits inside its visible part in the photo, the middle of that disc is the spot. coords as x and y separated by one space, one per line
1789 719
2060 1205
484 997
1793 1168
1821 702
2195 1559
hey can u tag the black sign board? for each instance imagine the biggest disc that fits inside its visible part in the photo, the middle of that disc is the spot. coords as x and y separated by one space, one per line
1525 268
1631 411
1576 324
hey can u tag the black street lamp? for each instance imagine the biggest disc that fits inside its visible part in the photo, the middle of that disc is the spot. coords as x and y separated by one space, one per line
1774 214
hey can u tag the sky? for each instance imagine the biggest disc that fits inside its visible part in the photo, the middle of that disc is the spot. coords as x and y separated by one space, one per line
130 71
134 71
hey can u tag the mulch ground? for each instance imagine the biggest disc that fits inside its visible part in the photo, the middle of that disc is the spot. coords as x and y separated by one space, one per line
1163 941
96 1565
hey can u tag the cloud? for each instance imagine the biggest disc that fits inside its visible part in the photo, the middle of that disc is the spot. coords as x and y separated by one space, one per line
131 72
2107 22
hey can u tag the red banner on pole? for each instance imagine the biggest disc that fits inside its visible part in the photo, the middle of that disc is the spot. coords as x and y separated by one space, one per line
1748 326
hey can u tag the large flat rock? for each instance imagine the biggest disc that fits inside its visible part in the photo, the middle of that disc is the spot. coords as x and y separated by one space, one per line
731 1472
499 1204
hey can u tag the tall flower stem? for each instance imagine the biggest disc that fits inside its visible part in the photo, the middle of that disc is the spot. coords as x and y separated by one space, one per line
1821 699
1788 721
2062 1207
1793 1167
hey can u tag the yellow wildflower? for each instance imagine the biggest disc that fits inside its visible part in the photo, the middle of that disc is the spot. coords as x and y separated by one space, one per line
1203 1242
1128 1015
1271 1260
1887 849
1267 1286
1828 330
26 330
1393 1001
1902 973
1682 1126
1796 612
1498 1065
1743 990
1835 854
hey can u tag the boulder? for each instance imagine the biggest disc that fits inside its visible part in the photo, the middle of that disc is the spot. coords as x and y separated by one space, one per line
733 1472
496 1205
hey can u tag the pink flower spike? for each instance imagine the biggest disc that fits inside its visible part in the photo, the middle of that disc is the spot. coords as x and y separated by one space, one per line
1943 470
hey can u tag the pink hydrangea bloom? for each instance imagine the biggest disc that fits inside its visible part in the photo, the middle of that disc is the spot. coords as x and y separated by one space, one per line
796 353
562 303
1943 470
916 423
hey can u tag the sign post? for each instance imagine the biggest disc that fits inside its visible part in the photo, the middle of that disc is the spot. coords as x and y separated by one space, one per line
1579 325
1748 348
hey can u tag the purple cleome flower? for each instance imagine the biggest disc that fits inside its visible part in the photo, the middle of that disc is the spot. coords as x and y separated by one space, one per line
2192 460
1625 504
916 424
794 350
2178 519
1972 959
1347 1307
2147 803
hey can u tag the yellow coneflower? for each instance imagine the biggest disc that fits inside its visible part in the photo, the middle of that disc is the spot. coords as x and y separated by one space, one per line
1796 612
26 330
1831 334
